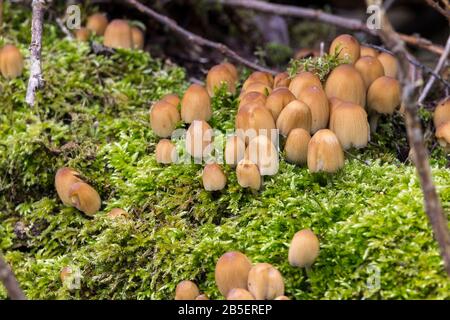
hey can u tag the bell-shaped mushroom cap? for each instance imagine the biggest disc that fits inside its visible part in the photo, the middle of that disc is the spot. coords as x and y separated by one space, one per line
384 95
97 23
282 298
263 153
164 118
196 104
281 80
304 249
217 76
82 34
65 274
316 99
443 135
234 150
137 35
346 83
325 152
172 99
84 198
258 87
199 137
166 152
239 294
370 69
442 112
248 175
277 100
64 179
213 177
231 272
349 123
303 80
254 119
231 69
11 62
252 97
202 297
390 64
296 147
334 103
265 282
347 48
258 76
368 52
116 213
118 35
186 290
295 115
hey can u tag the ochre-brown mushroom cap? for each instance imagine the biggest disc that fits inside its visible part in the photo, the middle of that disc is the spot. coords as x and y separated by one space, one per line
295 115
346 83
239 294
390 64
441 114
443 135
82 34
118 35
64 179
138 37
277 100
265 282
260 77
166 152
213 177
248 175
11 62
196 104
304 249
164 118
347 47
368 52
264 154
97 23
234 150
84 198
325 152
384 95
317 101
199 138
231 272
281 80
254 119
370 69
186 290
301 81
217 76
296 147
252 98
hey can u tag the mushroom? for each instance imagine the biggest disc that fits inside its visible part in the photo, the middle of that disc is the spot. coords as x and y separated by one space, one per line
11 62
202 297
263 153
347 48
199 137
281 80
277 100
239 294
258 76
296 147
213 177
303 80
64 179
349 123
370 69
248 175
442 112
304 249
116 213
316 99
196 104
231 272
258 87
334 103
84 198
383 97
164 118
82 34
65 274
234 150
282 298
443 136
390 64
368 52
217 76
166 152
265 282
186 290
137 35
252 97
97 23
346 83
295 115
231 69
118 35
325 152
172 99
254 119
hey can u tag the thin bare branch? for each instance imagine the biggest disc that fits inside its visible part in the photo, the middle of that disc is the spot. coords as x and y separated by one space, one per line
10 282
445 11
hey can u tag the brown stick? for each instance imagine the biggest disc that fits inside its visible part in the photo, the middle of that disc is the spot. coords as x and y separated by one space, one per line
10 282
436 5
432 203
195 38
347 23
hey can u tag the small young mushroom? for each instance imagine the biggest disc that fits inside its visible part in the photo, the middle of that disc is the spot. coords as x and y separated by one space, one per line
346 83
258 76
186 290
239 294
441 114
303 80
265 282
116 213
166 152
231 69
325 152
82 34
252 97
217 76
443 136
304 249
295 115
370 69
199 137
65 274
118 35
97 23
11 62
196 104
281 80
316 99
296 147
164 118
213 177
368 52
263 153
277 100
390 64
254 119
84 198
248 175
172 99
349 123
234 150
347 47
64 179
137 35
231 272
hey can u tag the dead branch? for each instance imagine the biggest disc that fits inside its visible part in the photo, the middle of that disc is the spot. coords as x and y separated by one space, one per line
10 282
410 87
319 15
437 6
171 24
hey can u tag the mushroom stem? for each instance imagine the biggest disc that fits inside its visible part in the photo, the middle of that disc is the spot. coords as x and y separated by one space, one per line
373 121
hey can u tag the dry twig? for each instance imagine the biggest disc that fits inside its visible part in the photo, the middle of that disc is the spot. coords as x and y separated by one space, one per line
445 11
10 282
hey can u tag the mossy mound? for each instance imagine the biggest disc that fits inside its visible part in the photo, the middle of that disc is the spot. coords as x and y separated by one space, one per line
93 116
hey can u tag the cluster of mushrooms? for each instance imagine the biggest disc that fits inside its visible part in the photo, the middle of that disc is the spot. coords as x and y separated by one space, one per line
11 62
117 34
238 279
